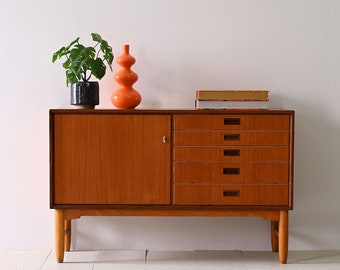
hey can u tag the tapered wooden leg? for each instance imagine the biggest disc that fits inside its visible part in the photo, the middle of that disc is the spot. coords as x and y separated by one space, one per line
283 236
67 232
274 236
59 235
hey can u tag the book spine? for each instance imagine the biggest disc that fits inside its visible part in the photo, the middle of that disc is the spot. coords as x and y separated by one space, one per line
214 104
232 95
233 99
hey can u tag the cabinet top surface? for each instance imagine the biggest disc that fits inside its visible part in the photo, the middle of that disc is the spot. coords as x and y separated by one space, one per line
170 111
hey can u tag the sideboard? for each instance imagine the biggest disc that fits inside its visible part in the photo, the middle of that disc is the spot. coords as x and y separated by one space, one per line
171 163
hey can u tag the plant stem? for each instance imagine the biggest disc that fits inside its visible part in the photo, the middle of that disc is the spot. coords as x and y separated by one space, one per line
98 50
84 78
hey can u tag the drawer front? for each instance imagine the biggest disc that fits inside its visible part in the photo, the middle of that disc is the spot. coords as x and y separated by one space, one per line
253 122
232 137
230 153
208 172
221 194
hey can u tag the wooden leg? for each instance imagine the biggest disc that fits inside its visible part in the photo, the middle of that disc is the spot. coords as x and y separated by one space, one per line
274 236
59 235
283 236
67 232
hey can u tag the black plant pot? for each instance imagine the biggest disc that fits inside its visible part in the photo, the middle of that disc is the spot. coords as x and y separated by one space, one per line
85 94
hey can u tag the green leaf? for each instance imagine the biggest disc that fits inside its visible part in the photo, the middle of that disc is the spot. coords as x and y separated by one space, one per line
107 52
98 68
63 50
80 55
72 76
72 43
58 54
96 37
67 64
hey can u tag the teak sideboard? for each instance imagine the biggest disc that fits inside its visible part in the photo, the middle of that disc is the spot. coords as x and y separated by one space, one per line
171 163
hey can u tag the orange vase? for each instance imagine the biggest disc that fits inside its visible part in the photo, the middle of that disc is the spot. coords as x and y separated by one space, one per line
125 97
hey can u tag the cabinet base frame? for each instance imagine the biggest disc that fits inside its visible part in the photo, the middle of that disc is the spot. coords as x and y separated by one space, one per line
278 218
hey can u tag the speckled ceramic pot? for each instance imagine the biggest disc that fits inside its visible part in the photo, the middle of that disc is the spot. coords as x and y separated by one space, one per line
85 94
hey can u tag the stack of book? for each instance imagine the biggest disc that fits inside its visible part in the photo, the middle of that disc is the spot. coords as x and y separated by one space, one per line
231 99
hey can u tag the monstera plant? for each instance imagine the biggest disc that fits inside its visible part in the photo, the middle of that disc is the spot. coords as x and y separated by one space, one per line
81 63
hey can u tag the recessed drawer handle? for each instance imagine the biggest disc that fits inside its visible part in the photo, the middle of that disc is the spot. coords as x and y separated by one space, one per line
231 193
231 121
231 137
231 170
231 152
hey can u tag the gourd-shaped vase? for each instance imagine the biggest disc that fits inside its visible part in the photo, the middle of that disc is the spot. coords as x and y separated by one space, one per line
125 97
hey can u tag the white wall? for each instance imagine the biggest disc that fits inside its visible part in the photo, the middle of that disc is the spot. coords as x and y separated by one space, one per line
290 47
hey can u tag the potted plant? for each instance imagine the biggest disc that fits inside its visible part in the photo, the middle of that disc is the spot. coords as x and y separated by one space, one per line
81 63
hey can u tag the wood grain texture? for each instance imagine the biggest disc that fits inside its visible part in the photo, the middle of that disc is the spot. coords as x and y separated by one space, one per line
213 194
252 121
216 137
59 234
111 159
220 153
213 172
283 237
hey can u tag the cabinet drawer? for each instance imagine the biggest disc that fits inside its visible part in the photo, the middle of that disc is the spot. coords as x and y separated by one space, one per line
232 137
227 172
253 122
230 153
220 194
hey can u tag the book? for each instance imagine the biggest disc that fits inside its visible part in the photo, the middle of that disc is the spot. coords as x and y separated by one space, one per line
231 104
232 95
